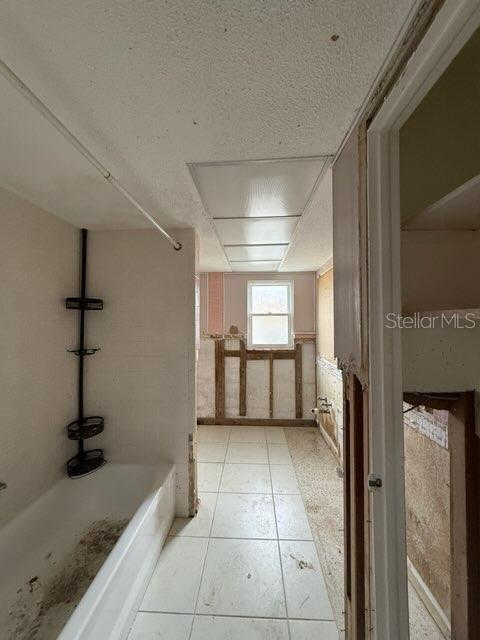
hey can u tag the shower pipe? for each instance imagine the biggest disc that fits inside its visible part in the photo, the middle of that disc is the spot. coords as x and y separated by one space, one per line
75 142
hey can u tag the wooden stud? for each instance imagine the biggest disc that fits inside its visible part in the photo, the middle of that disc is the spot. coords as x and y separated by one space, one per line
298 381
430 400
270 390
354 485
260 422
262 354
220 379
464 446
243 379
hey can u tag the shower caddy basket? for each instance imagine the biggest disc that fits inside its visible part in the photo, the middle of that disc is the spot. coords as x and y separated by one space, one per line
84 427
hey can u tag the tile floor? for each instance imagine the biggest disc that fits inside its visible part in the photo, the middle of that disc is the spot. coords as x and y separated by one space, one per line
245 568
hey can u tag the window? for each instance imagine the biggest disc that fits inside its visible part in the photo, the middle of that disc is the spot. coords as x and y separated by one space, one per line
270 321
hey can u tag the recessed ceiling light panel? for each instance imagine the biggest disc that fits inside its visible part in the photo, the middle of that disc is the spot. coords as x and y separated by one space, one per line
256 188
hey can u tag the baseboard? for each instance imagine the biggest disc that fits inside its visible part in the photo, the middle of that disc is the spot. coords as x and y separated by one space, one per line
261 422
329 441
429 600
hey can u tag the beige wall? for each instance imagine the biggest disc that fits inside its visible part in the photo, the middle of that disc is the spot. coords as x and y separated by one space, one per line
329 378
349 314
440 142
143 379
236 298
325 315
447 262
427 498
38 260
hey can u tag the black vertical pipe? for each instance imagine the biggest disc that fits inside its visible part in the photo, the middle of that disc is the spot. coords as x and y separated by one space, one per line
83 277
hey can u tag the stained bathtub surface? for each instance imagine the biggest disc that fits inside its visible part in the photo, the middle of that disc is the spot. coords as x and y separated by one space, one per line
43 605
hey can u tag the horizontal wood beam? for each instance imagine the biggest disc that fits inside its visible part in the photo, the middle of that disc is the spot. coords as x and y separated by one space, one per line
258 422
430 400
263 354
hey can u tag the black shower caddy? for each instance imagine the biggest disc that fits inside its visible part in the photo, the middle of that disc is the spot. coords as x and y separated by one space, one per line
84 427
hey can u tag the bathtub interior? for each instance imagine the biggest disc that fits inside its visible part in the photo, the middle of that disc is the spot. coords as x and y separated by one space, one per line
58 544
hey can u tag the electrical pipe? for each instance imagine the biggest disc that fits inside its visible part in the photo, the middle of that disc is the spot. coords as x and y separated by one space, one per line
42 108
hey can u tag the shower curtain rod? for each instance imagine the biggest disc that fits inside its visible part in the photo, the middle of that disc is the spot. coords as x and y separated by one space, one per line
74 141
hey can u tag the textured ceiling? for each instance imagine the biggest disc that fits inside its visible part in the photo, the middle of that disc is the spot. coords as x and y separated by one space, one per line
149 86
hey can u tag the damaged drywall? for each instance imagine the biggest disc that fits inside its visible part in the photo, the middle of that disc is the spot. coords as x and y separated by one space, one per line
427 499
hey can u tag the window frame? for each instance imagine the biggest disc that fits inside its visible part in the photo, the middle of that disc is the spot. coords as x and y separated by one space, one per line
289 313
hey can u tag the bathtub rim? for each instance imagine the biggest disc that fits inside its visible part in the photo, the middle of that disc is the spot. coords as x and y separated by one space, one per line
76 627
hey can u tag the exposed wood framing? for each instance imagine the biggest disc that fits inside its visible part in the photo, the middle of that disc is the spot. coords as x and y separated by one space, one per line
298 381
270 386
243 379
192 476
261 422
410 41
264 354
244 356
356 583
464 448
220 379
431 400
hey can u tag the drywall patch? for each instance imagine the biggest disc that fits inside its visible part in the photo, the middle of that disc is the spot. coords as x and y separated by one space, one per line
308 379
284 389
232 384
257 389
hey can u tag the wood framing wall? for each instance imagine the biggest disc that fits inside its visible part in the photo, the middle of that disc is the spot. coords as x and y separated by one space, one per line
253 386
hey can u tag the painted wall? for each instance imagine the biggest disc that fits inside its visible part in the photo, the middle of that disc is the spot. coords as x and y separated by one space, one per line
39 269
440 358
346 255
447 262
236 285
225 295
329 378
143 379
440 142
325 315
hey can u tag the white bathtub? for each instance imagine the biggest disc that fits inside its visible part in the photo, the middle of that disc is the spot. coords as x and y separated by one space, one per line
37 546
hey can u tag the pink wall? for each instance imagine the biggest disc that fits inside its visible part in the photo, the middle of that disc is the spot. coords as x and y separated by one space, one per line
215 302
203 289
225 297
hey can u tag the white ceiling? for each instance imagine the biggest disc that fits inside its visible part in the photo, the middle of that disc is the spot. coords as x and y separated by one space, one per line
311 245
255 206
149 87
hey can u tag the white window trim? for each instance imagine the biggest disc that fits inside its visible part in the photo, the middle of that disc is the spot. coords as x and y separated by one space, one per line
289 285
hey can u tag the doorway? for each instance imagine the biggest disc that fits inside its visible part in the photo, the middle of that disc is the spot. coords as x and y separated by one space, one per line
394 282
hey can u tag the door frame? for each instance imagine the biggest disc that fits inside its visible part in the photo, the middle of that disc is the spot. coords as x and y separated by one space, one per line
452 26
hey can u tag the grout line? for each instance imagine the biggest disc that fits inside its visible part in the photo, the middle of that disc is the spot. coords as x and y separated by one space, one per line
278 546
272 464
243 538
235 615
208 543
253 493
